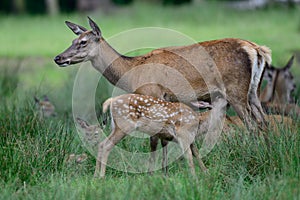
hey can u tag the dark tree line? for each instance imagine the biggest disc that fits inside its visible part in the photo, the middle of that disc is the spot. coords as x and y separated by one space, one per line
53 7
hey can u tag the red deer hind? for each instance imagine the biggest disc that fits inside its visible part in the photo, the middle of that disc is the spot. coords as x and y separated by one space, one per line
239 63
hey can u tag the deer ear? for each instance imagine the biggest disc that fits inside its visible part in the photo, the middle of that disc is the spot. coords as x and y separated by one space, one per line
95 27
45 97
290 63
78 30
36 100
268 72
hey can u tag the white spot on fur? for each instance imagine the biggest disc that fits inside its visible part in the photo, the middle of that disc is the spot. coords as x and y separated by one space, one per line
120 100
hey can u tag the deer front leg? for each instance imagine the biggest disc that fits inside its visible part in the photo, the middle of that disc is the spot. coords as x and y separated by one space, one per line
164 144
153 147
98 160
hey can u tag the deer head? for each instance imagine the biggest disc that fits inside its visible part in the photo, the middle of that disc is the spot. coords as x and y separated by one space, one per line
45 107
280 84
83 48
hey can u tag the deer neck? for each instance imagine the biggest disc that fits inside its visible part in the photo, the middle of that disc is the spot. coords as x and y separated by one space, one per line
111 64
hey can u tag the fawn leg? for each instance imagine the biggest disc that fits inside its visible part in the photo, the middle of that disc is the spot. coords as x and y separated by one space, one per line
164 144
153 147
105 148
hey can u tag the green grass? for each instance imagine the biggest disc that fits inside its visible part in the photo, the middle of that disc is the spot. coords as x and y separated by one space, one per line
33 152
33 165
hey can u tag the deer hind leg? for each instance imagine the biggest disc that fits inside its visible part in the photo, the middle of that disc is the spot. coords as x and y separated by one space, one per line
258 66
242 109
257 110
105 148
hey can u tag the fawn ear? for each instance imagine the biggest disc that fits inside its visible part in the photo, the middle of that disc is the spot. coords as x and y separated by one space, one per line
201 104
95 27
290 63
78 30
36 100
45 98
82 123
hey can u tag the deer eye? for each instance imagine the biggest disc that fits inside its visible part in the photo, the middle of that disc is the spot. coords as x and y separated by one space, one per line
83 42
270 75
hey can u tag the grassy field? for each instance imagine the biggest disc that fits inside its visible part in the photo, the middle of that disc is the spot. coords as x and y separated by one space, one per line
34 152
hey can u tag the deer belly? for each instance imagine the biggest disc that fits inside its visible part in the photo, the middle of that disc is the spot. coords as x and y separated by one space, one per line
158 128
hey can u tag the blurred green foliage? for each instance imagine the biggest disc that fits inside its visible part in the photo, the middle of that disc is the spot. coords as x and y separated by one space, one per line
175 2
67 5
39 7
122 2
36 7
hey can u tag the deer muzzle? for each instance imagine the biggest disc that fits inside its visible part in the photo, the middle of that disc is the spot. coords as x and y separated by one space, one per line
59 60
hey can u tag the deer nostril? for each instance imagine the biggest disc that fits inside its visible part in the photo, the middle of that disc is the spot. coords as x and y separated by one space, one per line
57 58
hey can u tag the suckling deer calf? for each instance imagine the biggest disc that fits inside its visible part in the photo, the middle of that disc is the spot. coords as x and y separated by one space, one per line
169 121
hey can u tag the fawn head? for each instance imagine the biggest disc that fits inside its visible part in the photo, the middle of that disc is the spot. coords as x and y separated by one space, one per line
83 48
45 107
280 83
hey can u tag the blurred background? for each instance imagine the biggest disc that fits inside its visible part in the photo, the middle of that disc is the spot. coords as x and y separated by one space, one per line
33 32
53 7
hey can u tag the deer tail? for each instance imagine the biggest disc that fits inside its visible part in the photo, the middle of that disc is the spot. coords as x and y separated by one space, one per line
106 105
264 53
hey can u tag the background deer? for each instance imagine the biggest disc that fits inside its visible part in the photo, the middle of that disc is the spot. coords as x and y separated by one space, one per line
91 133
45 107
276 96
231 67
169 121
